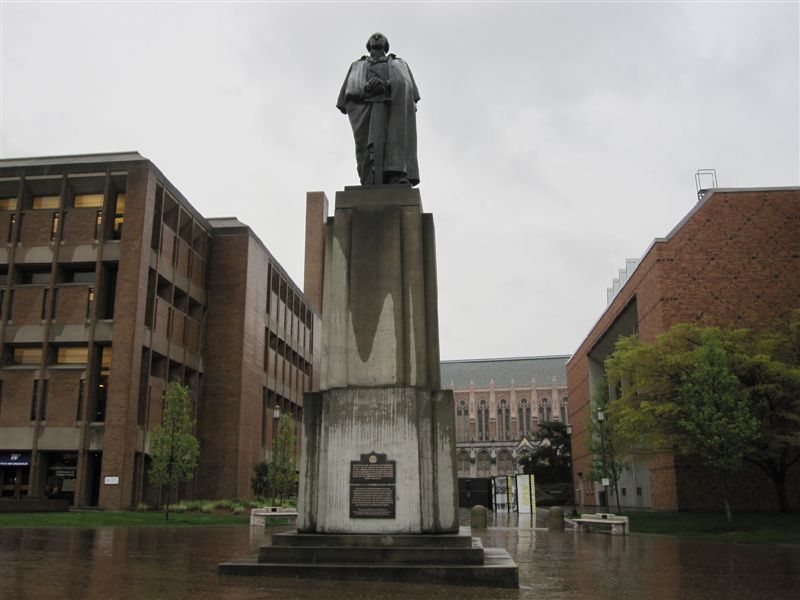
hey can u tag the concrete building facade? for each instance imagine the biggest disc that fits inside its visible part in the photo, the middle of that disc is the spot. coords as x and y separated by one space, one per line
499 404
733 261
111 286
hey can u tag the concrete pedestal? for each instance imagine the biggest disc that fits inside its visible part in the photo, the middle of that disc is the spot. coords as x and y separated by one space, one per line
378 495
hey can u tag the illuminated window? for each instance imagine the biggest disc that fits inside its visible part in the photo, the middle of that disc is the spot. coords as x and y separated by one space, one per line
73 355
98 224
106 361
46 202
119 216
27 356
88 201
8 204
54 227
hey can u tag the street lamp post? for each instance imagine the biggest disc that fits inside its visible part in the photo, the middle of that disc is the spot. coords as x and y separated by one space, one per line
600 418
571 475
276 415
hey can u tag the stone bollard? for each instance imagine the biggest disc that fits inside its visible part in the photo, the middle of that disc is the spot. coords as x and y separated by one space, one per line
555 519
478 517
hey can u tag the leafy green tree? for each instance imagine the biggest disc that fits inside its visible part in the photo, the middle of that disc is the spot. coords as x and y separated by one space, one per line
681 392
770 372
283 464
550 457
260 480
173 448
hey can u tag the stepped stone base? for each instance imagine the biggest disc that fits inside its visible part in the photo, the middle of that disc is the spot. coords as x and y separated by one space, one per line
454 559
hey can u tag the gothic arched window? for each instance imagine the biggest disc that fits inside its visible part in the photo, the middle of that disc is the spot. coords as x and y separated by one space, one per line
524 417
462 421
504 463
545 411
483 420
463 464
503 421
484 464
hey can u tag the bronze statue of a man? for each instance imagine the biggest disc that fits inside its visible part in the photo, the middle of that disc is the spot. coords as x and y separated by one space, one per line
380 97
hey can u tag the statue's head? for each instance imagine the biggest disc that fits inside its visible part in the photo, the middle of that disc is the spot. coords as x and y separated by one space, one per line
379 40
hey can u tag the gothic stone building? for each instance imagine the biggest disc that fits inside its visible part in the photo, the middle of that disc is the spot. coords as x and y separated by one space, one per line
499 404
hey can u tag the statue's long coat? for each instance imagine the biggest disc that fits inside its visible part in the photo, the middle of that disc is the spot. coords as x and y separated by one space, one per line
401 135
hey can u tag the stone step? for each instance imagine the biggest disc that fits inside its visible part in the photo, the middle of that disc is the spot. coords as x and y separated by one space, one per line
462 539
498 570
374 555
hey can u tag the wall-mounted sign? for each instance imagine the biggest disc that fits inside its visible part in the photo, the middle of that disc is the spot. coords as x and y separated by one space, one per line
112 480
372 487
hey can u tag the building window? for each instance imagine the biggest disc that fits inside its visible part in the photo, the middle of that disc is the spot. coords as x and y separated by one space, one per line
27 356
36 276
89 302
564 410
504 420
46 202
54 227
263 416
119 216
524 417
463 464
462 421
72 355
88 201
484 465
483 420
98 224
504 465
43 407
34 398
8 204
81 386
545 411
43 312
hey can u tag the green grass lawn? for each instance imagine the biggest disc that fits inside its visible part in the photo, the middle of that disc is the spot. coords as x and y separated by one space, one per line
119 519
746 527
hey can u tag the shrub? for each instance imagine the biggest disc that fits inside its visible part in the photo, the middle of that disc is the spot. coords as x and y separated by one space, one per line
142 507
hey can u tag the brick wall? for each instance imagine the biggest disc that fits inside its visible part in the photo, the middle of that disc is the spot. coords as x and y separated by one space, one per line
732 262
16 402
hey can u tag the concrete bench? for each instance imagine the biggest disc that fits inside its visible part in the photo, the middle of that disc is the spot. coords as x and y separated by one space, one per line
618 525
260 516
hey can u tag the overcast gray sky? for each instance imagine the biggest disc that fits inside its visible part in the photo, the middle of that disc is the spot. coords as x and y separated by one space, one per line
555 139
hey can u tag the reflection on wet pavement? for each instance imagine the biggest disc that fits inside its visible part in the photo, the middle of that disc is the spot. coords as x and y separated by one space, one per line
179 563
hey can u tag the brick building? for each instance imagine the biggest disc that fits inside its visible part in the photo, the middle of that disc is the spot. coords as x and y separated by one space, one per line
111 286
499 404
734 260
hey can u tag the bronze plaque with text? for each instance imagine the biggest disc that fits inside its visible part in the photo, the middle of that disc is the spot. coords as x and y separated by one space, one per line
372 487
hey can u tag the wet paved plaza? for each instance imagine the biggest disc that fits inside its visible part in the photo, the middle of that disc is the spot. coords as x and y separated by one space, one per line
177 563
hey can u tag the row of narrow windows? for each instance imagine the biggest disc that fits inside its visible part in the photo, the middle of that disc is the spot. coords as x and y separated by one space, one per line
483 463
66 355
504 432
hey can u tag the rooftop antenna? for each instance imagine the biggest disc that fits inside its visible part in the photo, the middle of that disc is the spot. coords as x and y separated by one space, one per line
704 180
